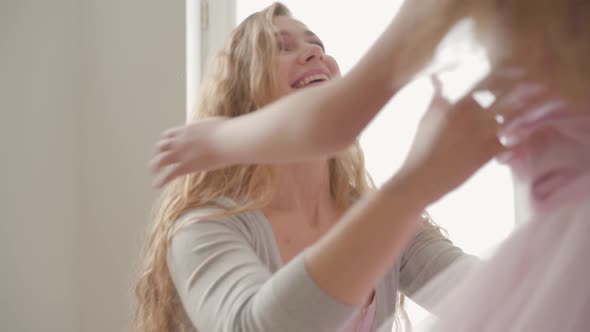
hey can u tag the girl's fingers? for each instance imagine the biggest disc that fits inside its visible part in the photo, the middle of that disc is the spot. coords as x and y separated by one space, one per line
510 93
521 98
498 84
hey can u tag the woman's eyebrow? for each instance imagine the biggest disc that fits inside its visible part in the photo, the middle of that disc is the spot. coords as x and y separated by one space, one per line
313 35
310 33
284 33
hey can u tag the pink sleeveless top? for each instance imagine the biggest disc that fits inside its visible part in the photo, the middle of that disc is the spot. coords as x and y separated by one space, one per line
362 321
550 168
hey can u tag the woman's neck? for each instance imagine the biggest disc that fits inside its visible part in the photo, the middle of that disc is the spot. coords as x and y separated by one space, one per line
303 188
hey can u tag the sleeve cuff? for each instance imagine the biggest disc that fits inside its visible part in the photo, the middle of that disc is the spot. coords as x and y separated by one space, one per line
301 297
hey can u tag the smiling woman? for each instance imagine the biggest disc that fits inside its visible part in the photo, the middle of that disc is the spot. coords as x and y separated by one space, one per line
268 221
489 195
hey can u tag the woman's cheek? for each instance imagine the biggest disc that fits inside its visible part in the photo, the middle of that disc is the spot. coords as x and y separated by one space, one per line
333 66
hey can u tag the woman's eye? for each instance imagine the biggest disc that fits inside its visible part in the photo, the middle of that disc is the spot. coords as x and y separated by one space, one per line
320 44
282 46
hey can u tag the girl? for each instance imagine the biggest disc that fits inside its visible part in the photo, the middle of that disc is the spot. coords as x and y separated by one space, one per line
538 279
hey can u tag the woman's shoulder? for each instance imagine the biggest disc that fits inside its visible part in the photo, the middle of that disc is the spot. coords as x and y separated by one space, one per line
210 230
218 218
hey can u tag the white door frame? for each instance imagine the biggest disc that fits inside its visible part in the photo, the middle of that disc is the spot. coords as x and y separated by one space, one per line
208 23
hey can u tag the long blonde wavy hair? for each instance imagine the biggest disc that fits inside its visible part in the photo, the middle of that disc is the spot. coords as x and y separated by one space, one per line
238 82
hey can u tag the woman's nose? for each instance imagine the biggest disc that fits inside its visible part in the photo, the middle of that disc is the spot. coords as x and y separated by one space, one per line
311 52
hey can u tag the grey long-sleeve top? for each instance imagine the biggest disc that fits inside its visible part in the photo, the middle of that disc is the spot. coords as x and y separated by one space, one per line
230 277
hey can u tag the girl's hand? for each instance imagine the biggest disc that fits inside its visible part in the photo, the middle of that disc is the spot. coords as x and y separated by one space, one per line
188 149
453 141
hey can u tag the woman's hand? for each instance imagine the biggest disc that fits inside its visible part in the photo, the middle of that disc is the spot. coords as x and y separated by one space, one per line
188 149
454 141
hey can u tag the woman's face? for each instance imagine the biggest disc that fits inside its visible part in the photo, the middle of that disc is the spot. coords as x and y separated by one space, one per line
302 61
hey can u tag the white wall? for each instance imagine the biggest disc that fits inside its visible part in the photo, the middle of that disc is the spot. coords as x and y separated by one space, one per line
40 205
85 89
135 74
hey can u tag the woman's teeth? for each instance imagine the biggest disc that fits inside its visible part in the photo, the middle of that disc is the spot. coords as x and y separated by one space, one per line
306 80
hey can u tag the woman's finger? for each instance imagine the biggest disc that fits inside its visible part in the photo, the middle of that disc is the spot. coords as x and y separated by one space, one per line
165 144
162 160
438 100
486 125
171 133
437 84
170 173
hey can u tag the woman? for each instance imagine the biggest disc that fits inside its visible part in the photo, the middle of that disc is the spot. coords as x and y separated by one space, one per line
282 247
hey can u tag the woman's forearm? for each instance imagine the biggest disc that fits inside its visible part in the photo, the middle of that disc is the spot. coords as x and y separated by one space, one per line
309 123
325 119
349 261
